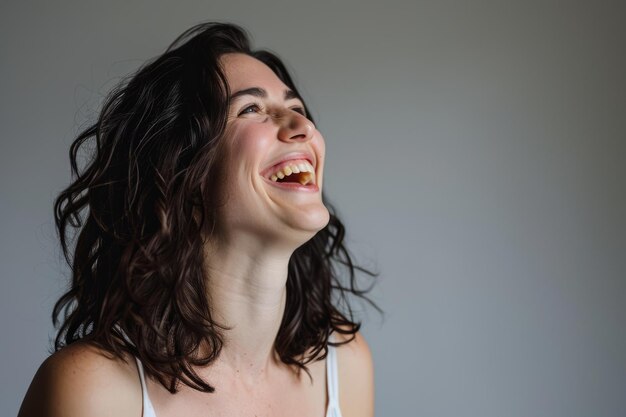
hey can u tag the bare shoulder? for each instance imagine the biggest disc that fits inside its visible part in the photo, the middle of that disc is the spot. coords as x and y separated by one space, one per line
356 377
81 380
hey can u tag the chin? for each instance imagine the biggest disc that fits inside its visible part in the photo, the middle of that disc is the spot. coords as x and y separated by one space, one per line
310 221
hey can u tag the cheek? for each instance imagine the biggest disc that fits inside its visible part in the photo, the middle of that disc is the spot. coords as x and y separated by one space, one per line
246 147
319 145
249 142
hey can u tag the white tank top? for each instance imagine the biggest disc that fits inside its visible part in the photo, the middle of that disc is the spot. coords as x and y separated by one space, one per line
332 385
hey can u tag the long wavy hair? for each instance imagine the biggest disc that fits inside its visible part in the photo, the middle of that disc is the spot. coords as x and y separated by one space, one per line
138 210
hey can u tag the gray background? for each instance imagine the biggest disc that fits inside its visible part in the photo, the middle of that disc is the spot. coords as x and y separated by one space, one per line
475 150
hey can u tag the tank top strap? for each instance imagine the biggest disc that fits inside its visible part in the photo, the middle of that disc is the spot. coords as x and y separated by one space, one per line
332 382
148 409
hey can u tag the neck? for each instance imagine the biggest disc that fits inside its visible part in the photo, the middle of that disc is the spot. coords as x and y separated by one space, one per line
246 286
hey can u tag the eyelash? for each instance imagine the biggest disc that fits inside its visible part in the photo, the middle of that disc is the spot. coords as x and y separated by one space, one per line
297 109
252 106
300 110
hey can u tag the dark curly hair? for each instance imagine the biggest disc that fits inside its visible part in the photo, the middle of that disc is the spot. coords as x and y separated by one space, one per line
138 285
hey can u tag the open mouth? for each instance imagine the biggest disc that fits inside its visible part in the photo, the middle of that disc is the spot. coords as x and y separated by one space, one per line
298 171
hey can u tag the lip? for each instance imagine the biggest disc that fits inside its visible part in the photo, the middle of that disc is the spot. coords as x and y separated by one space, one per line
290 157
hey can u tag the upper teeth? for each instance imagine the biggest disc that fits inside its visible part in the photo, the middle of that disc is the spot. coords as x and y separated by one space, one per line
294 168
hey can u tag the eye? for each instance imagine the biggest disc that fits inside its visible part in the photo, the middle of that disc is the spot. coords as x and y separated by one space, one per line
299 109
251 109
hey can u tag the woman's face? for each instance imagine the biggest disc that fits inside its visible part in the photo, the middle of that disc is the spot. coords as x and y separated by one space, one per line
273 159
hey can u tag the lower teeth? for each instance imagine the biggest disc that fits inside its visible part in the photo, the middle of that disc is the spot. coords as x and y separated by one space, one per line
305 178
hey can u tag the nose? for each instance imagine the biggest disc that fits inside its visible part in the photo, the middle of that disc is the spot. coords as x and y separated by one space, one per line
295 127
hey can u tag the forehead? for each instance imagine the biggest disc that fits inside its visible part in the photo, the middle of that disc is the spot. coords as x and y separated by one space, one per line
243 71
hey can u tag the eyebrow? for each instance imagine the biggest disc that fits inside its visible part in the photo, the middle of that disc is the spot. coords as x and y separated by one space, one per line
259 92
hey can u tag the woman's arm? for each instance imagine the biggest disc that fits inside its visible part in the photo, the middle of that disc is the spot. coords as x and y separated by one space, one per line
80 381
356 378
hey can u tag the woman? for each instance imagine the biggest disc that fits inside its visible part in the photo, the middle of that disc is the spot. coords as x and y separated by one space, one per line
204 279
